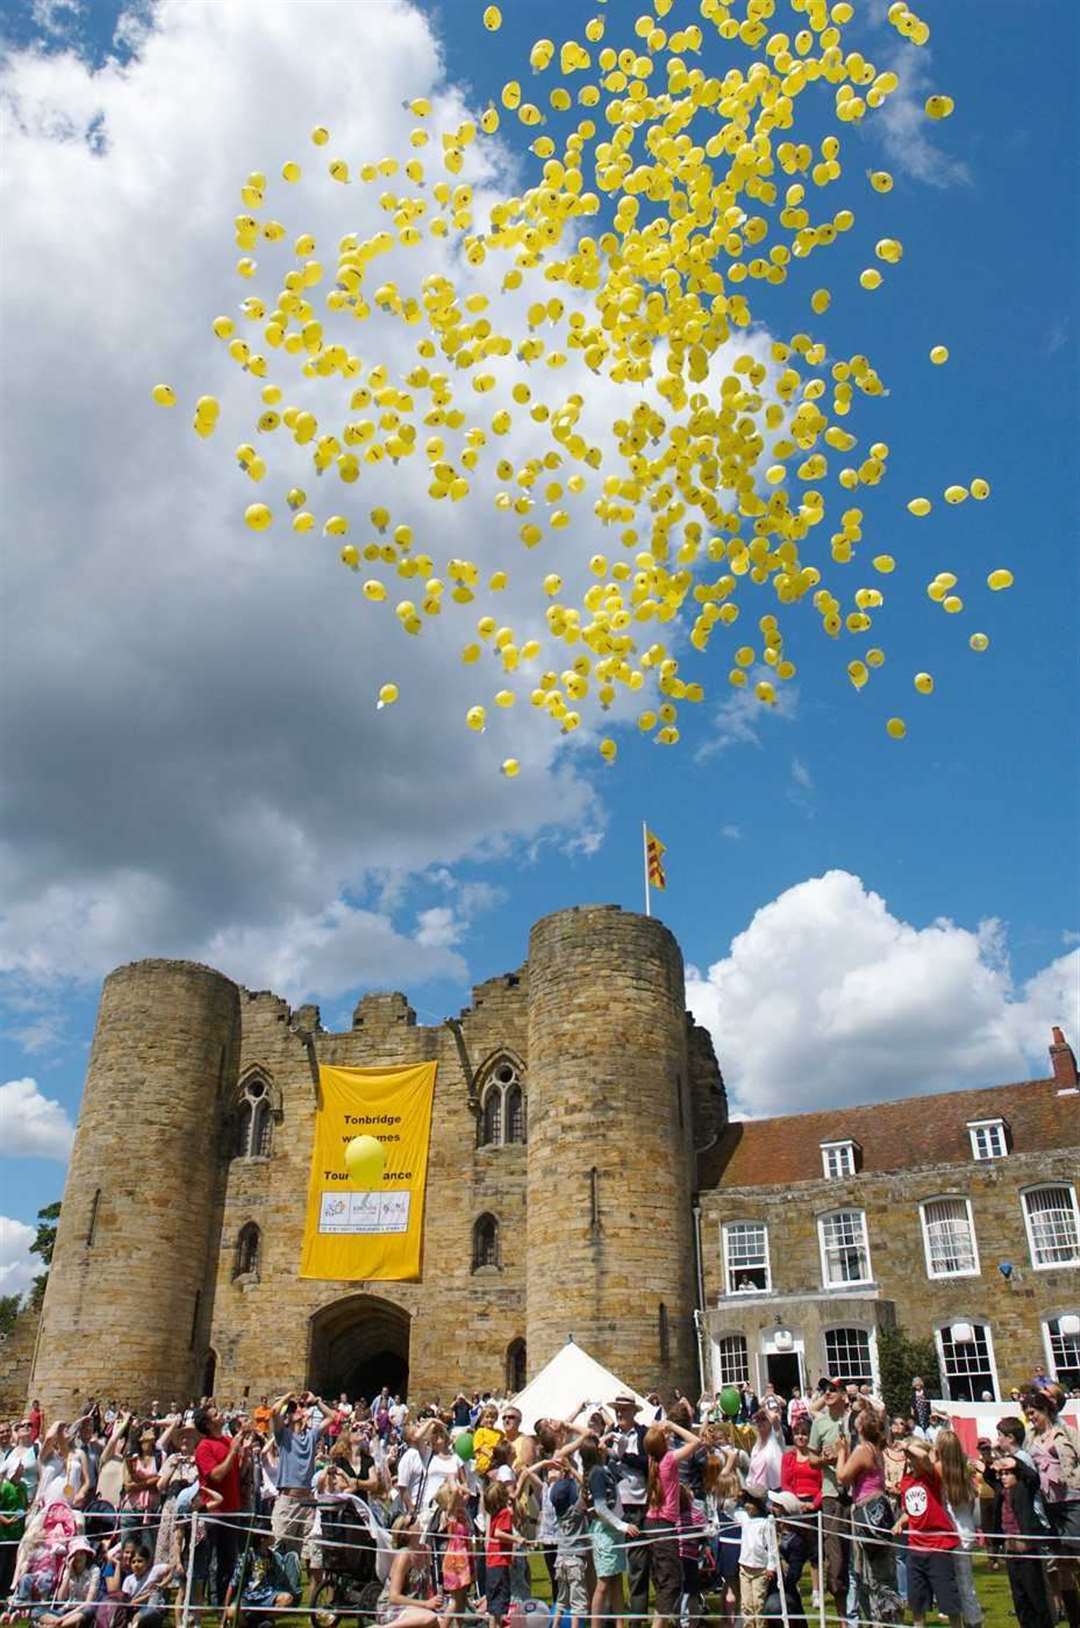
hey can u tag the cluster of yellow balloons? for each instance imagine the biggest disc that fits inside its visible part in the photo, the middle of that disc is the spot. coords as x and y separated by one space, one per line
666 197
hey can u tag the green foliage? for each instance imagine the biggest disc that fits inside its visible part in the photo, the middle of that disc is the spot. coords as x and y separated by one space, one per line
9 1310
900 1357
43 1245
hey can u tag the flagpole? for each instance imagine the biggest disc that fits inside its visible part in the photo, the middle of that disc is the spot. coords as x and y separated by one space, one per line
645 855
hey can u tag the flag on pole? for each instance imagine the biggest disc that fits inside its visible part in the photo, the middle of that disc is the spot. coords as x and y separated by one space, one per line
654 860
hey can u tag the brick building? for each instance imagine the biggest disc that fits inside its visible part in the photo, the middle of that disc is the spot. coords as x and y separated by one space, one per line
583 1179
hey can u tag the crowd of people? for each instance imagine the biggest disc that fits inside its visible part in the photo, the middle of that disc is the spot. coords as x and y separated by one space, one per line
672 1515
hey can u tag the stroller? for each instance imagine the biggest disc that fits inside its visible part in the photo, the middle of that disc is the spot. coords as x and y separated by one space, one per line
356 1556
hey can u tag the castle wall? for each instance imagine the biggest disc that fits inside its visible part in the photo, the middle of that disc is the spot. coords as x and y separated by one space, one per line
127 1296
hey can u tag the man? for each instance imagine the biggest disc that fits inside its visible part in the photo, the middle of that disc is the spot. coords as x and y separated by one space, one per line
825 1434
218 1459
626 1454
297 1437
24 1457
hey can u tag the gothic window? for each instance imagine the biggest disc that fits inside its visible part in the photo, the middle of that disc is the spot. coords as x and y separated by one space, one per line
254 1121
502 1104
485 1242
247 1251
515 1367
492 1117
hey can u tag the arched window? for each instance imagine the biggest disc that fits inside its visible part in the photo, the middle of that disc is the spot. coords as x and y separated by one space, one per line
247 1251
491 1130
502 1103
515 1367
515 1114
485 1242
254 1122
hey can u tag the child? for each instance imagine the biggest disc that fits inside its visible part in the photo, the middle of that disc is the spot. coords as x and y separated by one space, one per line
263 1578
932 1538
1016 1517
485 1437
759 1562
572 1548
457 1570
691 1533
721 1502
143 1585
501 1543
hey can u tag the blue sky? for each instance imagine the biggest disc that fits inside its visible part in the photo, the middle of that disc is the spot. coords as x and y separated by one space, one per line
971 823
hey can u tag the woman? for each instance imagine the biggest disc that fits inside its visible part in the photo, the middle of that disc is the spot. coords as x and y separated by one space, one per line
142 1474
804 1480
860 1471
1056 1458
63 1469
961 1501
178 1471
409 1598
767 1453
662 1514
606 1531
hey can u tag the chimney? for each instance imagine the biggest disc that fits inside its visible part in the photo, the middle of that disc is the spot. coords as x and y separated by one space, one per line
1063 1062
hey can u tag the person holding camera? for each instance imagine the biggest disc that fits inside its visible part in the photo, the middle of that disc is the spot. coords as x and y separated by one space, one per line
298 1424
218 1459
826 1432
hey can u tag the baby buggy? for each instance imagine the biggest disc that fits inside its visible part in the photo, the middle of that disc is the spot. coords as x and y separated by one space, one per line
356 1558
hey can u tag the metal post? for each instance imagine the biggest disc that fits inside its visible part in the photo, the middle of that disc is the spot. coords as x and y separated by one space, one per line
188 1580
821 1564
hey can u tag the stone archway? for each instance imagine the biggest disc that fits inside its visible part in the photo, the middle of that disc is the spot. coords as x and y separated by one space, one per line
357 1345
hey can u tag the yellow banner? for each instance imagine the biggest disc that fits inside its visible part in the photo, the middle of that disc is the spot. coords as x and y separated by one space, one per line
352 1233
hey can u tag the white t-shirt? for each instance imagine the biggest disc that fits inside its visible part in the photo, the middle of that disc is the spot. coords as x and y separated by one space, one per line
398 1414
27 1457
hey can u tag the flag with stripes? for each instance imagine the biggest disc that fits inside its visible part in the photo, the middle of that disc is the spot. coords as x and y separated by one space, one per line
654 860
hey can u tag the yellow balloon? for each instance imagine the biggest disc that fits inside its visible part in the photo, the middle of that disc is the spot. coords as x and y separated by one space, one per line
365 1160
896 728
476 718
999 579
388 694
492 19
939 107
884 563
979 641
320 135
955 494
924 683
980 489
258 516
939 354
608 750
920 506
881 180
164 395
870 278
290 171
511 767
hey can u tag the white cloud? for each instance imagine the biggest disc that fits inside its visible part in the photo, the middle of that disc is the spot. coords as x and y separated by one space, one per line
801 774
732 832
739 718
904 130
828 998
18 1267
202 768
32 1125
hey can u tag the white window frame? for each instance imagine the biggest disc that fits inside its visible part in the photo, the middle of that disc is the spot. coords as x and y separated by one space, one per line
844 1283
949 1198
843 1154
976 1322
1052 1367
721 1378
988 1126
871 1336
727 1227
1042 1187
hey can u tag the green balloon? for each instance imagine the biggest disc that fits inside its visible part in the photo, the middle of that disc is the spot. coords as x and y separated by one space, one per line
463 1446
729 1401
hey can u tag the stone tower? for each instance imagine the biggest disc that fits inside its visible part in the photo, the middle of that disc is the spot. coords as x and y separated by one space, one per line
128 1297
610 1251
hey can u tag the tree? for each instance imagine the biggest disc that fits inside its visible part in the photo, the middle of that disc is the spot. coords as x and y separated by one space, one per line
900 1357
9 1310
43 1245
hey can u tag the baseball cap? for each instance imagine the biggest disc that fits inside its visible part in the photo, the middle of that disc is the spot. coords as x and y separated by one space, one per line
786 1501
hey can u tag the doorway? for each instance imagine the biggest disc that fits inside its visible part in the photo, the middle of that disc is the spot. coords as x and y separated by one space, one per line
782 1368
358 1345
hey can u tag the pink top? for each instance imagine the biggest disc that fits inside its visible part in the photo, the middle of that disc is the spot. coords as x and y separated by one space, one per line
668 1510
867 1483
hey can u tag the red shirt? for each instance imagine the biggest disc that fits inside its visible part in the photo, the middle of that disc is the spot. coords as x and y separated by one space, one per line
799 1476
212 1451
499 1549
930 1525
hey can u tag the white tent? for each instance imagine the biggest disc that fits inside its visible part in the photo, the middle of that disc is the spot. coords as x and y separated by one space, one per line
571 1386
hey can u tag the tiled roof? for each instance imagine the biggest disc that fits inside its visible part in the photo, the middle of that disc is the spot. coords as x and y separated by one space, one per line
892 1135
